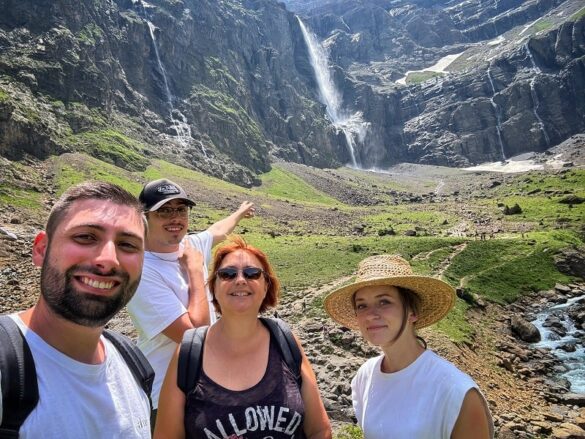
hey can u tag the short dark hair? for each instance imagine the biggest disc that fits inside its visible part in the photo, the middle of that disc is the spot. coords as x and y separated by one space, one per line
238 243
90 190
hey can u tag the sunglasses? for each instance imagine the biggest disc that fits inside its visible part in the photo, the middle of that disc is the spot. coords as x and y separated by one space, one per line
169 212
249 273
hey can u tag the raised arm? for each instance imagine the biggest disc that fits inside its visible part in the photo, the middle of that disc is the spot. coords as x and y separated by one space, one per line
197 309
221 229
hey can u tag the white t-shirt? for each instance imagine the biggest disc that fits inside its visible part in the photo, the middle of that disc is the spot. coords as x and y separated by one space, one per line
422 401
161 298
78 400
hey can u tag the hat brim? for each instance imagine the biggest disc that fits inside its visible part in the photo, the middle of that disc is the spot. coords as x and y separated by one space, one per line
166 200
437 298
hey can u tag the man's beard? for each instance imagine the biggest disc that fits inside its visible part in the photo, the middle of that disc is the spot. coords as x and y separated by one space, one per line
83 308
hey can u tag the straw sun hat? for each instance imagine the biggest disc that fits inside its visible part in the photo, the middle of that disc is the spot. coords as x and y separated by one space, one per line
437 297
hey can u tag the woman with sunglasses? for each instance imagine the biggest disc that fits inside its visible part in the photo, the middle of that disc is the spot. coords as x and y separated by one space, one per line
408 391
245 389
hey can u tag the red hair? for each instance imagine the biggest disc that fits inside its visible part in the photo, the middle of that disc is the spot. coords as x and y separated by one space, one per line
236 243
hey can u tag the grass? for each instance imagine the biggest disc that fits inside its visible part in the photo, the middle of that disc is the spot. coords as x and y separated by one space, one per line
455 325
89 34
524 274
161 169
418 77
428 264
482 255
539 194
305 261
113 147
404 217
67 174
349 431
541 25
502 270
577 15
499 270
282 184
545 209
218 72
4 96
19 197
223 106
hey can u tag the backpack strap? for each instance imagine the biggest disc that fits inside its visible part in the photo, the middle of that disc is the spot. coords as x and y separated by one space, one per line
289 348
20 391
135 360
191 358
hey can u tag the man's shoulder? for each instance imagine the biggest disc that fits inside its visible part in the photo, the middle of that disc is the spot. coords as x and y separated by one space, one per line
201 240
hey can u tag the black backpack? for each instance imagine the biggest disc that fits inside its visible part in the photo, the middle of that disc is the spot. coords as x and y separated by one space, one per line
20 392
190 358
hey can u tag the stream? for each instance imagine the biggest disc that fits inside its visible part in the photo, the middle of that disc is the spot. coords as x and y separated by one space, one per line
574 362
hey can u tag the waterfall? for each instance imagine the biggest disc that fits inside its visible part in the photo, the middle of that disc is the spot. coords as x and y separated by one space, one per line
352 125
535 102
179 123
497 113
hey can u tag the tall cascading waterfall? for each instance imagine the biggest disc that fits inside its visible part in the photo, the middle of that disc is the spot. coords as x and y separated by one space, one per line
178 119
497 113
535 101
352 125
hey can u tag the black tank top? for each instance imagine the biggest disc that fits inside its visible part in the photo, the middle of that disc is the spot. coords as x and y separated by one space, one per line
272 409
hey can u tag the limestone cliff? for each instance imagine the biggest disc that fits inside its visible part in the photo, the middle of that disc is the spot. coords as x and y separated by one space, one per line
227 86
232 76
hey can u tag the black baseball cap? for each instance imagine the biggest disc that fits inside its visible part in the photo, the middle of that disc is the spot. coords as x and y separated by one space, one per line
158 192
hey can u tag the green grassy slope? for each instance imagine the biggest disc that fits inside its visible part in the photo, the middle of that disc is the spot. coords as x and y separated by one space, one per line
308 235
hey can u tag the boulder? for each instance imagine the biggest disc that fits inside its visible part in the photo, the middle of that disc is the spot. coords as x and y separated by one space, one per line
571 261
514 210
7 234
574 399
571 199
524 330
568 431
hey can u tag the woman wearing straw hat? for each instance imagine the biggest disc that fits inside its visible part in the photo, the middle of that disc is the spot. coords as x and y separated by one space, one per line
408 391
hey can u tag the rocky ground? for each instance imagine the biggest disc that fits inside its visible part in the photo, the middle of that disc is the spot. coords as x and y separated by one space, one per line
517 380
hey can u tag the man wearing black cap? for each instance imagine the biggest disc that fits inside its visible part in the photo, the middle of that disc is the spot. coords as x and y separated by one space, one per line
172 296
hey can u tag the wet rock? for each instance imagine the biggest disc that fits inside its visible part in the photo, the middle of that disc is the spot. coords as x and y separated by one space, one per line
553 321
525 330
569 347
563 289
577 399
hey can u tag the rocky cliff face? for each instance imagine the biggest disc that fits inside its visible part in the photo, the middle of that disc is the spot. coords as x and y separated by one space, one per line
222 85
516 93
526 100
227 86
